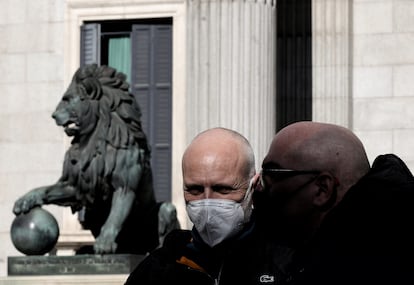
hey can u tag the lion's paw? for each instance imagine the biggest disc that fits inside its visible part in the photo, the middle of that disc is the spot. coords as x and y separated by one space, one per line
105 243
27 202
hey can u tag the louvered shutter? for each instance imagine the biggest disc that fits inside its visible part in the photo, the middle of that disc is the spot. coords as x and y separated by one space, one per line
152 86
90 50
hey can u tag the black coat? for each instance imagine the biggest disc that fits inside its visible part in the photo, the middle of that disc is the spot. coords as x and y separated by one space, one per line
245 260
368 238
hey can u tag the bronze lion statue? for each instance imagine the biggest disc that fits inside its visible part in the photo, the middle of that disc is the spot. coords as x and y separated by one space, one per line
107 176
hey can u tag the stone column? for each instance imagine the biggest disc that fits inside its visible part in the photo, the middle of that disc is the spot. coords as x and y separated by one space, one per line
331 61
231 68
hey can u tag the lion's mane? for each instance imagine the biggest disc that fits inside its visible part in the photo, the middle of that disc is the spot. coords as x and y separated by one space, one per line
112 134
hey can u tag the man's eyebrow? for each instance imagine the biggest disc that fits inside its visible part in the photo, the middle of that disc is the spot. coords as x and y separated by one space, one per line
223 186
192 185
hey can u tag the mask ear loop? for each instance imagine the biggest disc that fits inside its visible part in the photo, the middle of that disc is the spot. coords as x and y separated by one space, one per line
249 189
253 183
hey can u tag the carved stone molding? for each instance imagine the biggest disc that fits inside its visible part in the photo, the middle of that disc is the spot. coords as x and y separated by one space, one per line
331 55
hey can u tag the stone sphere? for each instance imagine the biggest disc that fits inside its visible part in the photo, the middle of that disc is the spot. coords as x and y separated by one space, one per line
35 232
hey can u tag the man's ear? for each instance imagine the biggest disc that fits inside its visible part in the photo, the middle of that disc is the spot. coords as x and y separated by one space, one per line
325 195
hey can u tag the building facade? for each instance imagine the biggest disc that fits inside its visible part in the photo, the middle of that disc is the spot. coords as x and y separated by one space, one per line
223 73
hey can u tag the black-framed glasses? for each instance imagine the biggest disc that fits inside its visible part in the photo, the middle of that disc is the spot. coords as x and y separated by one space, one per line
278 174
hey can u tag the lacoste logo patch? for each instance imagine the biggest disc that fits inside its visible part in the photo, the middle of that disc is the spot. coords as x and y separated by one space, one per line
265 278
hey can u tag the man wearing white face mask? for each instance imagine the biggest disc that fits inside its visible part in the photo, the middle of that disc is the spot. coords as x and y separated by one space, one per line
217 168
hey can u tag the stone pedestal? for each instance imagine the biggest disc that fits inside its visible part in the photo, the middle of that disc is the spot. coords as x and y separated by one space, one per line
73 265
110 269
104 279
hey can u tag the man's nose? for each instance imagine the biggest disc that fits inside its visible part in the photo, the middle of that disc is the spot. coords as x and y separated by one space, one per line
208 193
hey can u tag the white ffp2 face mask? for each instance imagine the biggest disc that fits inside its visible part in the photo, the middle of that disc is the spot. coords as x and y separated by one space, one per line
219 219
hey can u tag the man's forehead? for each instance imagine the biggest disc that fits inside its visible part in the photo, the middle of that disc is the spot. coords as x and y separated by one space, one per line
212 178
280 152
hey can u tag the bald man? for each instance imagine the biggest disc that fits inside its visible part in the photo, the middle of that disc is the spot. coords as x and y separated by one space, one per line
217 168
348 223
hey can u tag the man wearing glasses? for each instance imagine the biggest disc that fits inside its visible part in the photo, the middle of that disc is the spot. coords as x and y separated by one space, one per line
347 222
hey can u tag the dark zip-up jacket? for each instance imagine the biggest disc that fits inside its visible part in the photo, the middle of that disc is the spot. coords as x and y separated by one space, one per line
369 237
185 259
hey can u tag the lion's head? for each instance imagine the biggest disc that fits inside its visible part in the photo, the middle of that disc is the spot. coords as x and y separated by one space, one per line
100 94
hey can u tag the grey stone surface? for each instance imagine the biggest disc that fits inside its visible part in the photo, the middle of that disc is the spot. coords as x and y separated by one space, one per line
74 264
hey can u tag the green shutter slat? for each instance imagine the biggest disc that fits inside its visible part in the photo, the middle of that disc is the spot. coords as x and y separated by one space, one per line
152 85
163 91
141 71
90 50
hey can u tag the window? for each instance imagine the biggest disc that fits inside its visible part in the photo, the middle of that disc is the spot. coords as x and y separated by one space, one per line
142 49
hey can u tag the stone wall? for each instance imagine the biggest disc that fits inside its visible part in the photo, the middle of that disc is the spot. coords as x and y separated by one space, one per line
363 62
31 83
383 72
